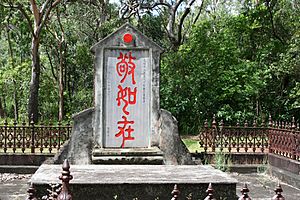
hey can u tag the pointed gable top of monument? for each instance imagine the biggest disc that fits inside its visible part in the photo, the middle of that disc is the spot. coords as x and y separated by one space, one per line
126 36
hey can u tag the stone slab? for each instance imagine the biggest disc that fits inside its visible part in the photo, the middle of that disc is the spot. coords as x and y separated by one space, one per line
137 181
133 174
127 151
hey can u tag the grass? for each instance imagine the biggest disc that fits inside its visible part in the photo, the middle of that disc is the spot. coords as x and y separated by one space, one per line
192 145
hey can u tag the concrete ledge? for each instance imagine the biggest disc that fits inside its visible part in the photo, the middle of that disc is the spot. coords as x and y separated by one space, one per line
235 158
138 181
285 169
23 159
18 169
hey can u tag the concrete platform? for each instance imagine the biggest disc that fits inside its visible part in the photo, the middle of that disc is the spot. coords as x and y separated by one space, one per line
138 181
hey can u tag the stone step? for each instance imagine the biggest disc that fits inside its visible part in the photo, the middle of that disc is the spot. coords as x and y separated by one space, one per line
134 160
153 156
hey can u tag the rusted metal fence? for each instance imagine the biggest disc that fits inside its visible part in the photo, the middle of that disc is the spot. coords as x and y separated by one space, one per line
64 193
281 138
33 138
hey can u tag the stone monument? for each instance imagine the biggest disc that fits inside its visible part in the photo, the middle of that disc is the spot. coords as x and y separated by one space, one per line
125 127
126 124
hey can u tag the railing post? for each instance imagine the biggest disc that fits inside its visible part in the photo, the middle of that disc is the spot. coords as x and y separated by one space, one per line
15 136
210 193
221 135
5 135
214 133
278 190
31 193
244 192
237 136
293 127
205 135
175 193
254 134
59 135
32 134
270 135
246 136
65 177
23 136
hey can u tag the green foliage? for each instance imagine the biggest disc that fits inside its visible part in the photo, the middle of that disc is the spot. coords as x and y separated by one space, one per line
238 66
239 61
222 161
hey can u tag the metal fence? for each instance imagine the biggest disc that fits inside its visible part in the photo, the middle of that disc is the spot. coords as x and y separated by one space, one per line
281 138
63 192
33 138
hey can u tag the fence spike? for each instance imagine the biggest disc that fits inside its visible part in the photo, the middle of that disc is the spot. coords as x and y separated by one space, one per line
31 119
222 123
263 123
214 123
293 123
244 192
206 123
65 177
31 193
278 190
175 193
210 193
246 124
254 123
270 121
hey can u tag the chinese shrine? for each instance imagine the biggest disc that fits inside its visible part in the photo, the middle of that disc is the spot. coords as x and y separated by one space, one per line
126 124
116 147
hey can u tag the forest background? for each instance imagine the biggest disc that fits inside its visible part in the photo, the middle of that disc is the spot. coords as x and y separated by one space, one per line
237 59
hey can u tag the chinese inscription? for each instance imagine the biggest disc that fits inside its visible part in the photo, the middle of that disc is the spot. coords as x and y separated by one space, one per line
127 98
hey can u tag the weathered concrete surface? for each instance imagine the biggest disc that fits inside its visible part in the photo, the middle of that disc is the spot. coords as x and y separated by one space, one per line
78 149
13 186
122 156
175 152
262 186
81 141
285 169
137 181
23 158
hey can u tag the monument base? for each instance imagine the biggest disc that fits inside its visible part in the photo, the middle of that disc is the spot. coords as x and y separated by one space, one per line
138 181
134 156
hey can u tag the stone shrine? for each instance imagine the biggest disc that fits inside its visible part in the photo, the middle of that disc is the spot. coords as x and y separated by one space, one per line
126 90
126 125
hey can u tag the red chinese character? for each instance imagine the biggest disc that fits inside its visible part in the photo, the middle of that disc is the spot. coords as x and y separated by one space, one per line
127 96
123 129
126 66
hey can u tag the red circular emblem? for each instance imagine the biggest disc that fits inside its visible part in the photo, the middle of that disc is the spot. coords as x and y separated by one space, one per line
127 38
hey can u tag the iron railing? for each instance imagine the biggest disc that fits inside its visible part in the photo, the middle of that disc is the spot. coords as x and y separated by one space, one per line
281 138
33 138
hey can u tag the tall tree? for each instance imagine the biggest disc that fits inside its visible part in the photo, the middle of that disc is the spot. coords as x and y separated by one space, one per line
176 12
40 13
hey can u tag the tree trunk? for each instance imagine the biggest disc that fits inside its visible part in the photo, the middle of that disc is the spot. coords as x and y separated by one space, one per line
16 106
35 80
1 109
61 85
